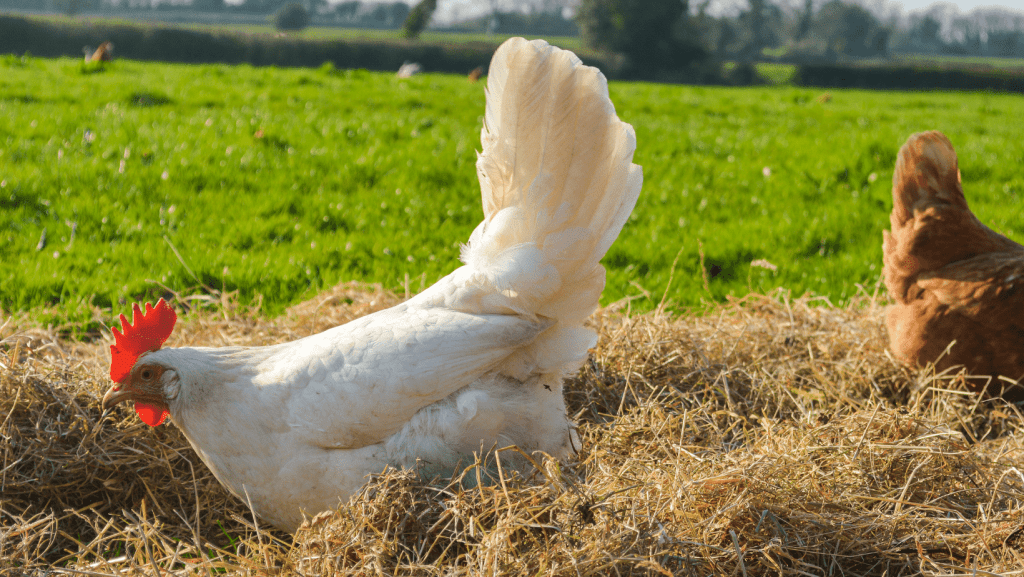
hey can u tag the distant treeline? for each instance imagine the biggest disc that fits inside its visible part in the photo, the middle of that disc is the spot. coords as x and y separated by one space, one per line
44 37
369 14
796 31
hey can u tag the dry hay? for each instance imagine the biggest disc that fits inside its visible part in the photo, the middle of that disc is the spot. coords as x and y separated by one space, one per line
762 437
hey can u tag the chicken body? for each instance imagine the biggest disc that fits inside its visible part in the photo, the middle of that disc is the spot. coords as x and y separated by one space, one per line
476 360
953 278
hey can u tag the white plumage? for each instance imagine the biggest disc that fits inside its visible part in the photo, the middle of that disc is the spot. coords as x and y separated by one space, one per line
476 360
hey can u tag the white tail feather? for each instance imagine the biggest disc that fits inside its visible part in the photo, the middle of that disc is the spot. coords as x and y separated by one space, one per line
558 184
556 173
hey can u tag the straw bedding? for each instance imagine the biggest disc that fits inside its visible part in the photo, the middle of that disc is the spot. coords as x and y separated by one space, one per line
766 436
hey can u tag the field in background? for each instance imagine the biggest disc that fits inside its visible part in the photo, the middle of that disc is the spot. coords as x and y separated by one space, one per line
263 26
1011 64
775 73
278 183
258 24
252 24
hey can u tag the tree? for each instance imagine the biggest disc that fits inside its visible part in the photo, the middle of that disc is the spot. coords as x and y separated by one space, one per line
653 34
208 5
390 15
347 11
262 6
419 18
292 16
966 36
318 6
71 7
805 20
850 30
757 22
928 30
1006 42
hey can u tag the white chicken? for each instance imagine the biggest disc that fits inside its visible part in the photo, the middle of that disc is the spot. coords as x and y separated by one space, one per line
475 361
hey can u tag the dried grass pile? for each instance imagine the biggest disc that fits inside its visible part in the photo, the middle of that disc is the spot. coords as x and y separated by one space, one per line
762 437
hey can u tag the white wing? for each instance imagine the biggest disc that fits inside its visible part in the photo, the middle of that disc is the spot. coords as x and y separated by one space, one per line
359 383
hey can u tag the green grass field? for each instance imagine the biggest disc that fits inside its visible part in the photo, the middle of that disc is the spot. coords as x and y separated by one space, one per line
1010 64
279 183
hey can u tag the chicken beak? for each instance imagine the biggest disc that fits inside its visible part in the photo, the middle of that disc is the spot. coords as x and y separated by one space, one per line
114 395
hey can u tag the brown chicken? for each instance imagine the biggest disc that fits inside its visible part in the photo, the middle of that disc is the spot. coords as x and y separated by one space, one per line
958 285
105 53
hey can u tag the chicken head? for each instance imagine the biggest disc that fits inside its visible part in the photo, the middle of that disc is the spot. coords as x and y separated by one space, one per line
136 381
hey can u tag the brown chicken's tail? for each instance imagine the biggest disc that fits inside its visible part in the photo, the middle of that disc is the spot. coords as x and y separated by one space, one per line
932 225
926 174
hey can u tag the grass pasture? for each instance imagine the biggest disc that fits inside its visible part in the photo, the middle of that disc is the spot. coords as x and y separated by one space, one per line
994 62
148 178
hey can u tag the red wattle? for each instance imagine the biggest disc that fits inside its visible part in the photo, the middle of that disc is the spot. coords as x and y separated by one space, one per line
150 415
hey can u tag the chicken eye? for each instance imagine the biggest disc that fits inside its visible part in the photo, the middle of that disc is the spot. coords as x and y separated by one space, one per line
146 374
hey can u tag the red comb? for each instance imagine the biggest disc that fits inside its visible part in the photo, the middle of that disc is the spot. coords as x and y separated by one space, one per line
146 333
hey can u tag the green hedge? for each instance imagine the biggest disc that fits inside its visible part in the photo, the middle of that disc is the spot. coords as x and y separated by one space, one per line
907 78
47 38
50 38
